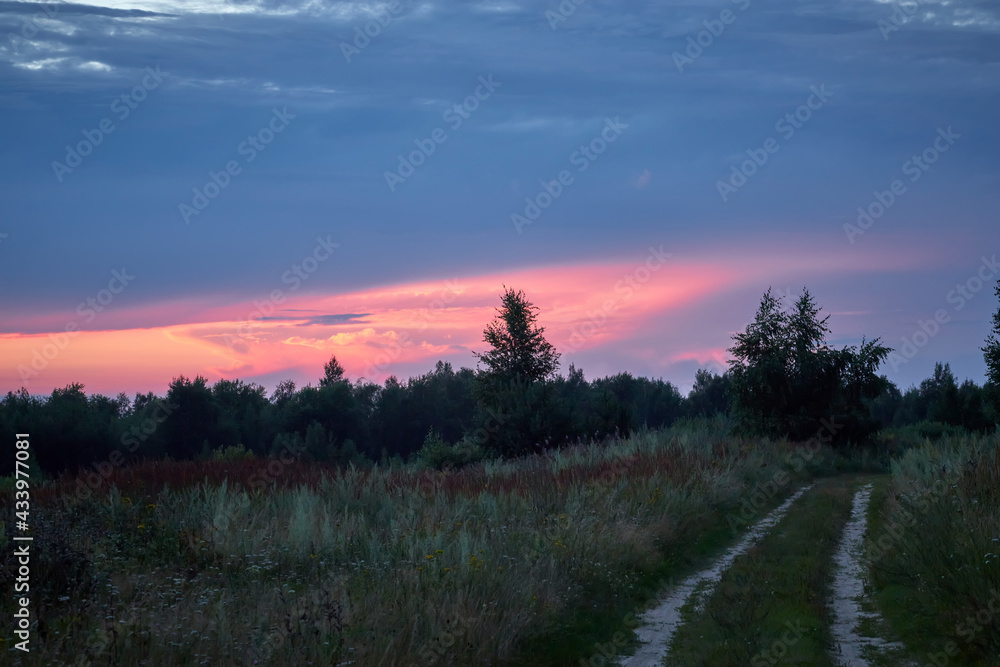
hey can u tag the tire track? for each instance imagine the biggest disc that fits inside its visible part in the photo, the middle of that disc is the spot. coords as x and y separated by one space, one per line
849 590
660 623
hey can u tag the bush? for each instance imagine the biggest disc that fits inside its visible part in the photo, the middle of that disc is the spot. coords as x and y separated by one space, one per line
933 547
929 430
719 425
232 453
440 455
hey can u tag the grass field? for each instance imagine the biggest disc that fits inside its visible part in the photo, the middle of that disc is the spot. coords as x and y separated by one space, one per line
484 565
545 560
770 606
934 548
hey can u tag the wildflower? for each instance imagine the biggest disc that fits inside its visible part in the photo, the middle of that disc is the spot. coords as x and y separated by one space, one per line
439 551
430 557
447 569
141 526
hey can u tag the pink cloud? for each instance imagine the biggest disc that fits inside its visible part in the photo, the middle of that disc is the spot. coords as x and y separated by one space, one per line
650 308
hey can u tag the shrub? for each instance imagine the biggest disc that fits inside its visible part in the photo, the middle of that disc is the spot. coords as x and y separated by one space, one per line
440 455
232 453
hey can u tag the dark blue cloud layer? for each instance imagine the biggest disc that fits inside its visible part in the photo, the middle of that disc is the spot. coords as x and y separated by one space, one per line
64 69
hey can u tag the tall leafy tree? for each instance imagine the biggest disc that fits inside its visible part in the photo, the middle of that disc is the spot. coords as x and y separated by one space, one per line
333 373
194 421
991 352
514 392
519 350
787 381
283 392
709 395
940 394
242 415
760 367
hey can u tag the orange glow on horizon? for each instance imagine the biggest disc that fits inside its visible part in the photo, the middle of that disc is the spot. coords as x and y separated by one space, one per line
582 307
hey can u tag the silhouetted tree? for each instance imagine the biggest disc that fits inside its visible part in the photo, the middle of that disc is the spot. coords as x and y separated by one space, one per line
283 393
972 407
991 351
513 389
786 381
519 349
333 372
442 400
940 394
710 394
194 419
243 415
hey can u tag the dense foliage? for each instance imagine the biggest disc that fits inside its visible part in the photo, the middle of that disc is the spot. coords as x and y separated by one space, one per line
991 352
336 421
784 381
788 381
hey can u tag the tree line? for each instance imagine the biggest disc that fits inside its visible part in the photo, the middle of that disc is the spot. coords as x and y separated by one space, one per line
784 380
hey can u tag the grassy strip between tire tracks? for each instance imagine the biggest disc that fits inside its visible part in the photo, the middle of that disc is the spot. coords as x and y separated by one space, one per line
588 636
771 605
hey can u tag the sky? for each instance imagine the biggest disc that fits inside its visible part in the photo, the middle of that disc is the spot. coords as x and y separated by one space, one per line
243 189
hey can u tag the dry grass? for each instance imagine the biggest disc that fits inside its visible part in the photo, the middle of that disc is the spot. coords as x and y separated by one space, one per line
371 567
935 549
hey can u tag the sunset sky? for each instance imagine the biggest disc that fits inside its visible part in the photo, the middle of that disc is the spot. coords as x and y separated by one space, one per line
243 189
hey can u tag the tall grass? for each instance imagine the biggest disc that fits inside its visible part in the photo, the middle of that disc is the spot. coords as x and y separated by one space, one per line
935 549
384 566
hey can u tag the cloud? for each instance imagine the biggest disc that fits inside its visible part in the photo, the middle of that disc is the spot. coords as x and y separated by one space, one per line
230 63
621 309
325 320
